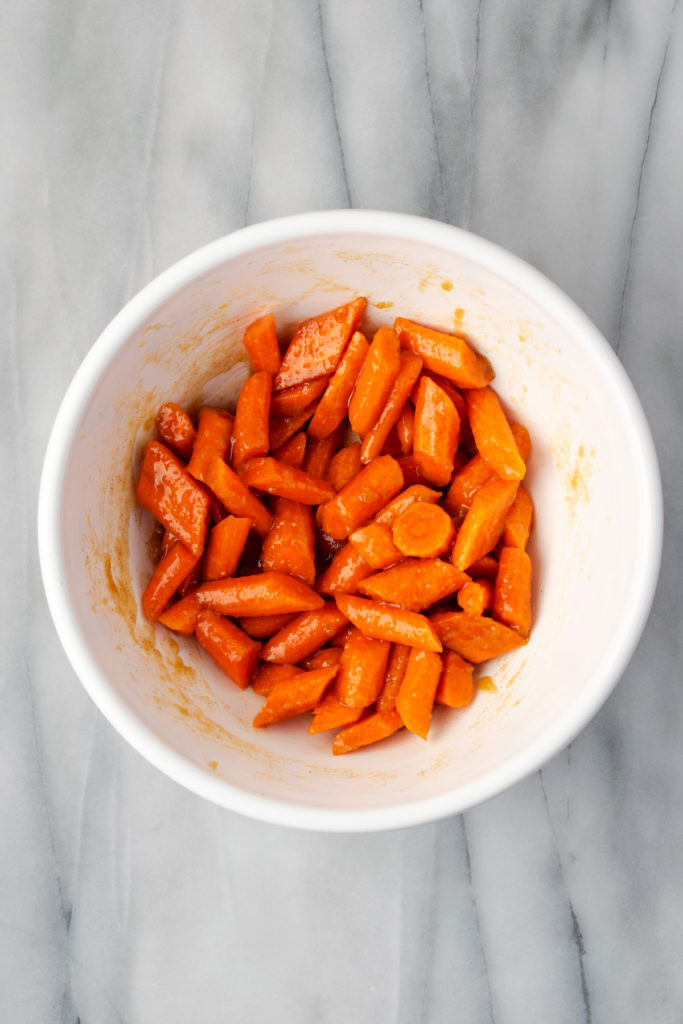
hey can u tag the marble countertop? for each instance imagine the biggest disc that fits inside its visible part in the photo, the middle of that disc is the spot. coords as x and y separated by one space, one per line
134 132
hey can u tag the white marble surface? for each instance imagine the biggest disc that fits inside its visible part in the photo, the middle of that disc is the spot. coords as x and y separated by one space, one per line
133 132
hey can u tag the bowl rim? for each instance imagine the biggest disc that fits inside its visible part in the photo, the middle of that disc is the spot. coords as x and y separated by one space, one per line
296 227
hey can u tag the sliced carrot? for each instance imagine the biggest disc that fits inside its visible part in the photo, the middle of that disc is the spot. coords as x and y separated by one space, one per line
294 400
465 483
322 659
492 434
484 522
319 453
423 531
437 431
267 593
168 574
236 496
250 436
192 580
334 404
225 546
456 686
231 648
167 490
512 593
475 596
294 696
344 572
176 429
317 344
484 568
375 381
519 520
290 545
214 430
268 674
475 637
362 669
414 583
376 545
266 474
410 496
181 616
398 659
392 445
415 697
412 471
332 714
377 437
447 354
368 730
304 635
260 341
287 426
344 466
362 497
292 452
405 428
382 622
261 626
340 639
522 440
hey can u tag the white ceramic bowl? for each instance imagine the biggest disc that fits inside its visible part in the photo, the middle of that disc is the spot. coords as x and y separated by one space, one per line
593 476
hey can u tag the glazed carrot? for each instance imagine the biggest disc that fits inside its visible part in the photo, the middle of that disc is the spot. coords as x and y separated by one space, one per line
414 583
287 426
423 531
290 545
512 593
266 474
362 669
492 434
412 471
375 381
305 635
446 354
344 572
168 574
376 546
317 345
167 542
236 496
333 405
475 637
192 580
295 695
214 430
450 389
483 524
518 521
294 400
382 622
522 440
267 593
344 466
362 497
377 437
392 445
181 617
405 428
268 674
261 626
398 659
413 494
250 436
476 596
322 659
231 649
176 429
225 546
484 568
368 730
319 453
436 432
167 490
340 639
456 686
332 714
260 341
465 483
415 697
292 452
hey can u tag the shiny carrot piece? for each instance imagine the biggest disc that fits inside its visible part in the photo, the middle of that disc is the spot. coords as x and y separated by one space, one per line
322 659
484 568
398 659
492 434
412 472
236 496
292 452
231 648
319 453
405 428
266 474
176 429
456 686
519 520
167 490
305 635
260 341
414 583
181 616
415 697
341 638
290 545
294 400
287 426
168 574
268 674
344 466
250 435
368 730
376 438
225 546
522 440
362 497
266 593
375 544
447 354
415 493
476 596
192 580
261 626
362 669
294 696
332 714
437 432
484 522
214 430
465 483
317 344
512 592
475 637
382 622
423 531
344 572
334 404
375 381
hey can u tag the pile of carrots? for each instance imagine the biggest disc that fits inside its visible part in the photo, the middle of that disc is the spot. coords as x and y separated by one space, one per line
352 541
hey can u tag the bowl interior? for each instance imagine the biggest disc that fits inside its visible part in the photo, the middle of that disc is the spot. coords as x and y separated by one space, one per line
588 474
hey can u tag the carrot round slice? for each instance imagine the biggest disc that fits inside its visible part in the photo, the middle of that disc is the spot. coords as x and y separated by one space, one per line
423 531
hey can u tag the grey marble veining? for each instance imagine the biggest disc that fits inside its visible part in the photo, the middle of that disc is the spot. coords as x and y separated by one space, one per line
134 132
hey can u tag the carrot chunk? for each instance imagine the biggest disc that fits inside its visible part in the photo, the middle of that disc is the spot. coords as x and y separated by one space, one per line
376 546
304 635
519 520
236 496
268 674
512 593
260 341
261 626
319 453
332 714
484 568
398 659
176 429
415 697
484 522
344 466
168 574
181 616
465 483
322 659
334 404
475 596
167 490
423 531
287 426
456 686
317 345
231 649
377 437
475 637
294 696
368 730
447 354
344 573
214 430
436 432
292 452
382 622
362 497
250 437
412 472
492 434
266 474
414 583
413 494
405 428
375 381
362 668
294 400
267 593
225 546
290 545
